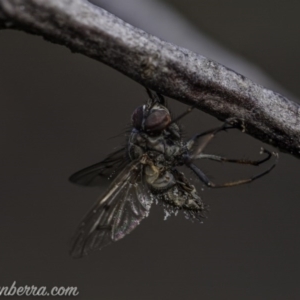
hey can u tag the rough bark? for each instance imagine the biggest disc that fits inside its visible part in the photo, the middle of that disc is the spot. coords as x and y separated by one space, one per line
173 71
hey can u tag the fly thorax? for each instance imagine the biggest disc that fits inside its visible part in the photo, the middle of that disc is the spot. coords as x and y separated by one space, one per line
171 151
137 138
136 145
156 144
174 131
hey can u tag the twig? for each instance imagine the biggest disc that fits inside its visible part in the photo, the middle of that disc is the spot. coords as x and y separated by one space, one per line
166 68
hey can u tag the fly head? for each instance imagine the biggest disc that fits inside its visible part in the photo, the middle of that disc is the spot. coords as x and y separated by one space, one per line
151 120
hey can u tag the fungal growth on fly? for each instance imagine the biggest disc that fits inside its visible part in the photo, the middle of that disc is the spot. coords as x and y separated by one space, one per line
146 170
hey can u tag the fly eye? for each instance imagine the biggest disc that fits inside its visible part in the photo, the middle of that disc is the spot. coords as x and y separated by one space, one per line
137 117
157 121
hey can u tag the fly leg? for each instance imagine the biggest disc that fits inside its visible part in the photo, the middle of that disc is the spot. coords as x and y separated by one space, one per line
238 161
189 110
209 183
156 98
198 143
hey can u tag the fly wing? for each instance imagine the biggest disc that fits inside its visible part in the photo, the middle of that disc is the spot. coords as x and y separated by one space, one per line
116 213
107 168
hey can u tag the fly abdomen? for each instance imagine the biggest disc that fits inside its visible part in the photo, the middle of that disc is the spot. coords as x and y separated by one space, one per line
158 181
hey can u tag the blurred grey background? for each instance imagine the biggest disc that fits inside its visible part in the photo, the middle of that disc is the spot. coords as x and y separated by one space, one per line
59 111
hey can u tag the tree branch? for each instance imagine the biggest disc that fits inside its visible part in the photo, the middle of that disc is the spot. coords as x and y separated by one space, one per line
175 72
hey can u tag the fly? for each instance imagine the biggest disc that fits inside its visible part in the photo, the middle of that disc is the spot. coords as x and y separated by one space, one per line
146 170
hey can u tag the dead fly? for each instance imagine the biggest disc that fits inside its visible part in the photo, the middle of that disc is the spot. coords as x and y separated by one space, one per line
146 170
